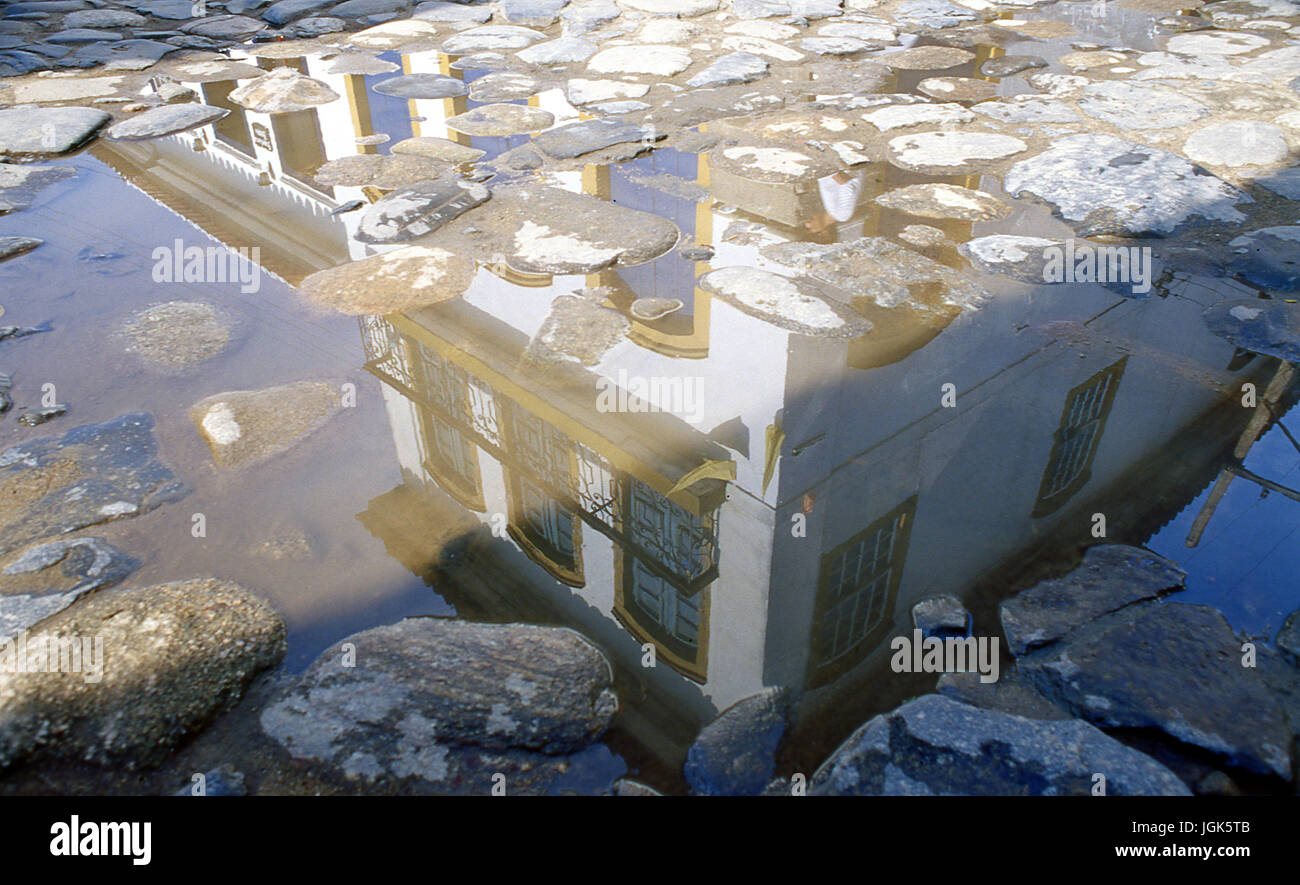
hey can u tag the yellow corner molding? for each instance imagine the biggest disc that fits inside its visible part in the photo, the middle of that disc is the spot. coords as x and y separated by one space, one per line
725 470
774 437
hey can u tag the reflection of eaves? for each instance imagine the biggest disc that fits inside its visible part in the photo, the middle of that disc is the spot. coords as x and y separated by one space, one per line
192 185
658 448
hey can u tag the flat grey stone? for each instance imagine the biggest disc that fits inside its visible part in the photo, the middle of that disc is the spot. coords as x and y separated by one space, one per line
29 132
730 69
386 171
1110 577
447 703
933 13
1027 109
285 11
390 282
1007 65
958 88
13 63
501 119
766 163
539 229
584 16
575 139
531 13
901 116
1129 106
651 309
175 335
88 475
1174 668
283 91
562 50
11 246
869 31
420 86
878 270
491 37
44 7
78 36
1268 258
164 120
793 304
938 746
581 91
577 329
1100 184
225 27
104 18
641 58
614 108
944 201
503 86
1021 258
438 11
369 11
243 427
315 26
417 210
941 616
925 58
360 63
1271 327
172 10
940 153
833 46
1284 183
32 589
125 55
809 10
680 8
437 149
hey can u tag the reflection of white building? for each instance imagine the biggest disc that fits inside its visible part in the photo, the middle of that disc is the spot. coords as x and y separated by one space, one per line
901 498
784 537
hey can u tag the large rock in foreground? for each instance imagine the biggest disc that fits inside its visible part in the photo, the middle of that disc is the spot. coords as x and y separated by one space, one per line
1174 668
447 704
1110 577
937 746
735 754
173 657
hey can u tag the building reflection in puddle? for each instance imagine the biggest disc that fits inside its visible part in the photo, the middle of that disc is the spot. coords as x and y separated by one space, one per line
826 486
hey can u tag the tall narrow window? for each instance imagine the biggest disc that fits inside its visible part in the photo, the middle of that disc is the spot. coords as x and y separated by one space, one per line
1083 420
857 585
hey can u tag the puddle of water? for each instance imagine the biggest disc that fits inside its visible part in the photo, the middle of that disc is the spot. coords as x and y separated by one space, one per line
468 482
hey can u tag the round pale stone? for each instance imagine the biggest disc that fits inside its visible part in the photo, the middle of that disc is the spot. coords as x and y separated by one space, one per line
1237 143
680 8
951 150
646 58
1215 43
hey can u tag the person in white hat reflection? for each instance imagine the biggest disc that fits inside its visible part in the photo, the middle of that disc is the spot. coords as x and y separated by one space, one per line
840 193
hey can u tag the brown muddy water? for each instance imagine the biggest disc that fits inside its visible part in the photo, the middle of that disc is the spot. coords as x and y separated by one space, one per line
773 524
